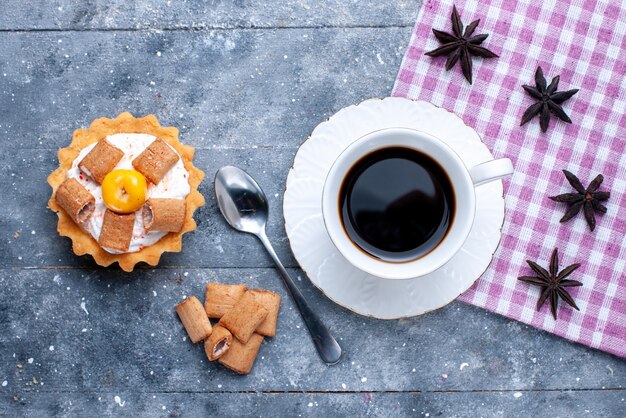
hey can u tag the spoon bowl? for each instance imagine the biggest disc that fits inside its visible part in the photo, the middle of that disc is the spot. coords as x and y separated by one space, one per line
241 200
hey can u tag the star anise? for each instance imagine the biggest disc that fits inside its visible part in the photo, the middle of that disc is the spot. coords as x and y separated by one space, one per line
461 45
588 199
549 101
553 283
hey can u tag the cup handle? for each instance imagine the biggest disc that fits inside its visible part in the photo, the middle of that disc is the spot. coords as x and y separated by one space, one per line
491 170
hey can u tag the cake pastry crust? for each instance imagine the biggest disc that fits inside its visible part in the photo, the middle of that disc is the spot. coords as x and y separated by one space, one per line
82 242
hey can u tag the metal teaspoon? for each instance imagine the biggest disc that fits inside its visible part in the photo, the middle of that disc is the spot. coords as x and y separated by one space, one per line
244 205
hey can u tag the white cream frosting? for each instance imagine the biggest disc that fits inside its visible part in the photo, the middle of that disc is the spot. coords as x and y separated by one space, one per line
175 185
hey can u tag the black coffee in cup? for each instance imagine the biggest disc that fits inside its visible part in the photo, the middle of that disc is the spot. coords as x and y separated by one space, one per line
396 204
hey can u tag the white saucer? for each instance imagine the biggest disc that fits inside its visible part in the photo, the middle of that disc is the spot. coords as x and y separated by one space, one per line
334 275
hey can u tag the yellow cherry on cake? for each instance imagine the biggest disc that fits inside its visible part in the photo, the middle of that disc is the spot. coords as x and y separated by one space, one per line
125 190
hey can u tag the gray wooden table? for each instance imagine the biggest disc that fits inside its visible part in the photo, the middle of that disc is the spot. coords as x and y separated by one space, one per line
245 82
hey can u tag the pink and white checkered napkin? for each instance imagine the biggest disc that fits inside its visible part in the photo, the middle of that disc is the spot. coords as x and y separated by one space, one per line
583 41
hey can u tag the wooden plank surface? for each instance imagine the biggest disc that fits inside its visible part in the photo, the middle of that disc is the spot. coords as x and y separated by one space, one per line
199 14
245 82
96 330
349 404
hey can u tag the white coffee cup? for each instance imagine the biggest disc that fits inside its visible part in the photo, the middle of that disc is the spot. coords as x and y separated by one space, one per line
463 180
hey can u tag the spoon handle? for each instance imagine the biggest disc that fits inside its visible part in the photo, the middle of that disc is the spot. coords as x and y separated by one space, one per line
327 347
